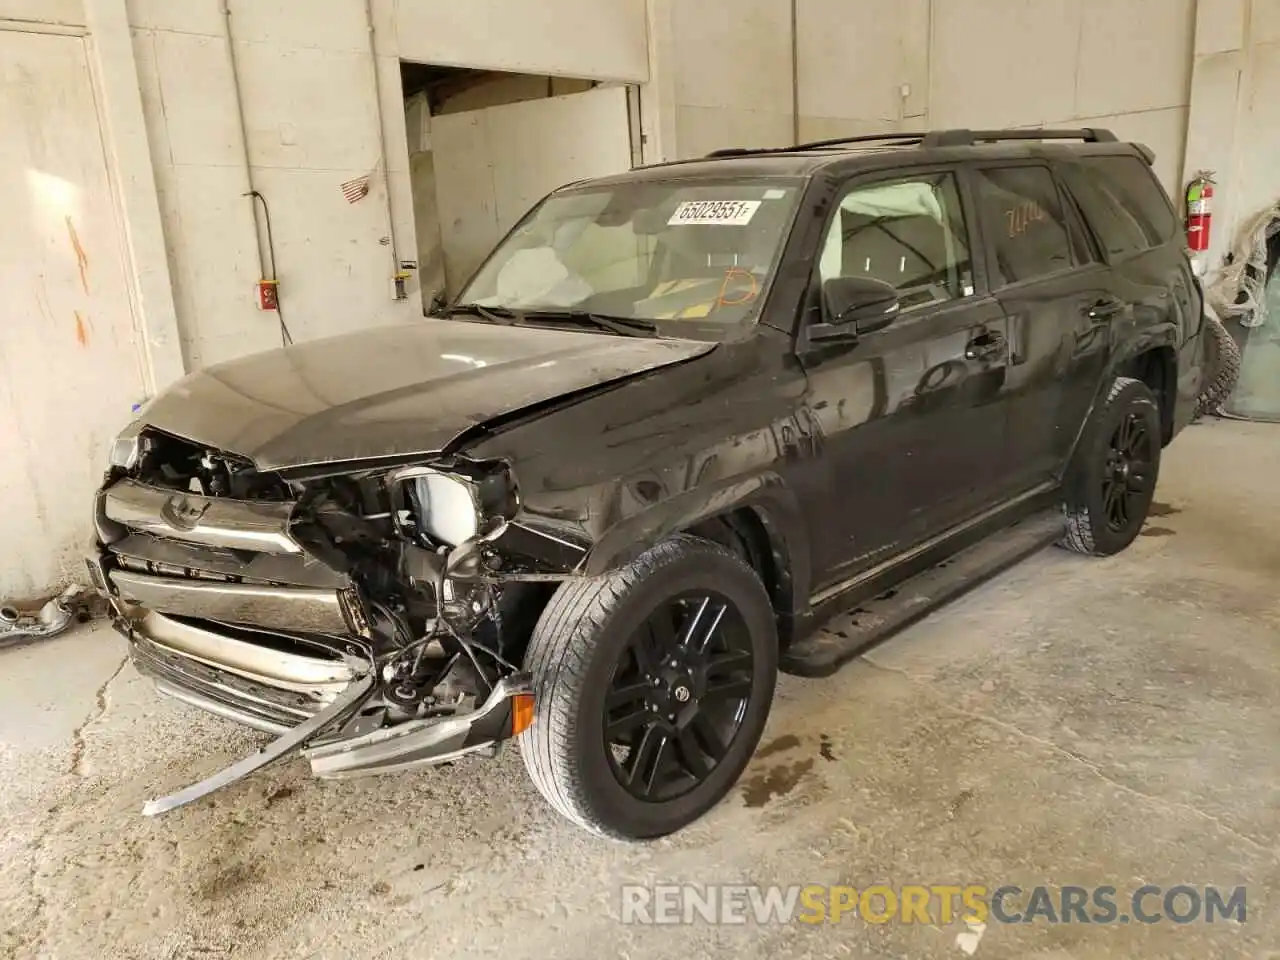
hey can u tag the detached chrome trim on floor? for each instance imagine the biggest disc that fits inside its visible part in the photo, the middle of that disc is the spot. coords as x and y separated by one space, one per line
260 526
300 609
866 576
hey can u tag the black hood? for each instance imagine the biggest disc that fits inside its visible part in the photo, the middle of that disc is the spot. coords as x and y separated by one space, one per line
393 391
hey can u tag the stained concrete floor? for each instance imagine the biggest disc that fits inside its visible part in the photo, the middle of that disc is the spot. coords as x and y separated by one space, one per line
1073 722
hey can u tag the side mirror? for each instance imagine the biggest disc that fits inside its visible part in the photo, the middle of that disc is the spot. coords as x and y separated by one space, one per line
852 306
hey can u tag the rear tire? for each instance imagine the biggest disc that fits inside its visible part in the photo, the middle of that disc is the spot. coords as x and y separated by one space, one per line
648 701
1113 479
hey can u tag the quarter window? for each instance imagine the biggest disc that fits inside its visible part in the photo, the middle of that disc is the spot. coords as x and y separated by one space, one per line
1123 202
1024 223
908 233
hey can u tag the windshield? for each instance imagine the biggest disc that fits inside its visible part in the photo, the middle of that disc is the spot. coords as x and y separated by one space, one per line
695 258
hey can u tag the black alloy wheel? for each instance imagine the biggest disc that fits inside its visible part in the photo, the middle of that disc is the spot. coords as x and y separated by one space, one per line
679 694
1109 487
652 685
1129 477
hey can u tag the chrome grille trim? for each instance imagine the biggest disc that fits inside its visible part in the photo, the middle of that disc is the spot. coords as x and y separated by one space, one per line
300 609
260 526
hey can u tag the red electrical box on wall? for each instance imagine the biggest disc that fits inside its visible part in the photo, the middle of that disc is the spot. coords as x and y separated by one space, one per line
268 295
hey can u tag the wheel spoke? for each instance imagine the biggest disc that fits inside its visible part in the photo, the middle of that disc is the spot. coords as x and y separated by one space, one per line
1120 441
703 627
705 734
1137 437
1119 508
1112 500
626 695
618 727
730 688
692 757
725 662
1129 423
646 760
662 635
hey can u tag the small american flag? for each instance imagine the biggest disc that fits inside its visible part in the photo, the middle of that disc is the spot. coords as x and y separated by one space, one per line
356 189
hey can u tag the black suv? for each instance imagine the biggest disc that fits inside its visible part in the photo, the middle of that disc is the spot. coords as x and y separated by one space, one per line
679 418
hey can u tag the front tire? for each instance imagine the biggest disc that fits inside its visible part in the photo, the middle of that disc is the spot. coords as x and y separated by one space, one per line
1113 478
652 684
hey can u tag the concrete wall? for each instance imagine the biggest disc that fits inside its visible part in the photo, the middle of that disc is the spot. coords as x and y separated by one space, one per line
879 65
732 70
862 74
1123 64
1235 116
311 108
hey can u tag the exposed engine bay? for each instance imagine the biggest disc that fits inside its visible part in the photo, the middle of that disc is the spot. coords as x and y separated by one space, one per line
375 616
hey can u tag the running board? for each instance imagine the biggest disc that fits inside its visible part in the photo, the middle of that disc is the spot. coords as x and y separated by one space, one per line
879 617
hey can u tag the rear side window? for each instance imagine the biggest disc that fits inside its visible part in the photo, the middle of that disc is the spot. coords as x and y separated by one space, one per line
1123 202
1023 220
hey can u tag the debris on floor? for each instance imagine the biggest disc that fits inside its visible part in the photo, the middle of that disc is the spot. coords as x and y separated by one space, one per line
73 605
1246 294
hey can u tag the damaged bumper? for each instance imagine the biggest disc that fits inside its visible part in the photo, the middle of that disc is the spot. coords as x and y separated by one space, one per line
326 707
293 657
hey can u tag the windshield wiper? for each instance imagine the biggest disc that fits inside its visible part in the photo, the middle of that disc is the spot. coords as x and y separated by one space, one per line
501 315
624 326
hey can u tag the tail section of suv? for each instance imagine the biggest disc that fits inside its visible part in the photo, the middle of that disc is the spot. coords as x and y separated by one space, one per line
679 418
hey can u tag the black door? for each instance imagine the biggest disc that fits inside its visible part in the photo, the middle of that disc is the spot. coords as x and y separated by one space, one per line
909 420
1061 311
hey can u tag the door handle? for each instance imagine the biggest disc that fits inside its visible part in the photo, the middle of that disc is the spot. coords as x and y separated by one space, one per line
985 346
1105 308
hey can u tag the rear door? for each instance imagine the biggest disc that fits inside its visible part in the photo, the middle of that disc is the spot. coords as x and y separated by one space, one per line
910 417
1137 232
1061 313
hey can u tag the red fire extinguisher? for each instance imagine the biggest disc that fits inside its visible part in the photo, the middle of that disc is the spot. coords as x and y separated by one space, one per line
1199 215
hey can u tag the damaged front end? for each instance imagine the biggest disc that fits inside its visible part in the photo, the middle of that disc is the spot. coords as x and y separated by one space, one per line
371 617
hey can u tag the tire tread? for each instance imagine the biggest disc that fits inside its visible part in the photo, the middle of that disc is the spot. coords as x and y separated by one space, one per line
558 658
1079 536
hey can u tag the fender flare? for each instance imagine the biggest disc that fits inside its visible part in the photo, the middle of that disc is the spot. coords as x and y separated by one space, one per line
765 494
1150 338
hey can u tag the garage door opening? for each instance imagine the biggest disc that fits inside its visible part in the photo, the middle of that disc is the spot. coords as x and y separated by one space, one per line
485 146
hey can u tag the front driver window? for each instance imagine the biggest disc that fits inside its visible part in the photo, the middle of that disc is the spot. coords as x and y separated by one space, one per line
908 233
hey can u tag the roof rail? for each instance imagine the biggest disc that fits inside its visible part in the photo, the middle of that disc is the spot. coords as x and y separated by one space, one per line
966 138
864 138
815 144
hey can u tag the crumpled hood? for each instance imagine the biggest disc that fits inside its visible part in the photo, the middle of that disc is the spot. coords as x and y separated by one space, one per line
393 391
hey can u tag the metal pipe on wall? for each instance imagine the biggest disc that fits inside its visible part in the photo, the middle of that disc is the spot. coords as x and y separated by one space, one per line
382 144
244 132
795 75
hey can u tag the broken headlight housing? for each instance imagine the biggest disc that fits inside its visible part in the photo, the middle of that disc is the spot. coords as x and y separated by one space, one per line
450 505
127 447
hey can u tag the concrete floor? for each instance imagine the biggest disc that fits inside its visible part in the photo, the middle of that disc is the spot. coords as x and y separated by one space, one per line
1075 721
